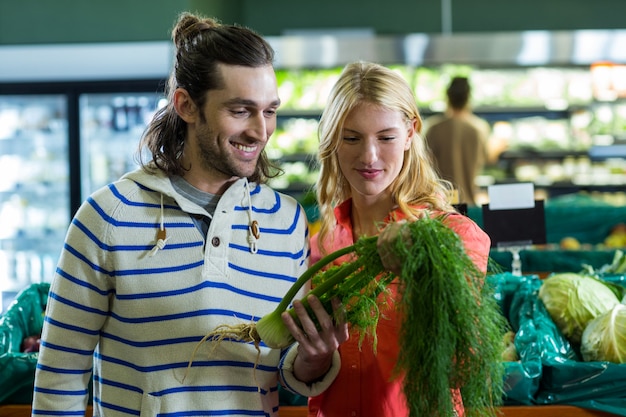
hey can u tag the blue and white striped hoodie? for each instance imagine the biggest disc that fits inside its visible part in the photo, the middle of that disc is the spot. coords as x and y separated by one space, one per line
133 314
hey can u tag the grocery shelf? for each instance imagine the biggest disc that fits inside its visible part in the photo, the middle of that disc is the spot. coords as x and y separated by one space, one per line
301 411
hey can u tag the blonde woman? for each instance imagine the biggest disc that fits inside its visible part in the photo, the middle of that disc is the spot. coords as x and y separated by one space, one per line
376 170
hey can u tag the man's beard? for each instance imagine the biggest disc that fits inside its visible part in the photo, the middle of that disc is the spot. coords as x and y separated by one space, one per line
214 159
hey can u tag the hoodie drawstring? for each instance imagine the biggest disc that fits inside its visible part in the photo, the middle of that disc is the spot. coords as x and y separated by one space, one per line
161 234
253 225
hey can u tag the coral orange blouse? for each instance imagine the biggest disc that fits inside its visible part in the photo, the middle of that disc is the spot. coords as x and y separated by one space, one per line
366 385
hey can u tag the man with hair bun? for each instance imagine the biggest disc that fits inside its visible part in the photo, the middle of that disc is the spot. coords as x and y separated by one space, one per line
192 240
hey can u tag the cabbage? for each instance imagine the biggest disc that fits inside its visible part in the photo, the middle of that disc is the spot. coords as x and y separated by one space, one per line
604 338
573 300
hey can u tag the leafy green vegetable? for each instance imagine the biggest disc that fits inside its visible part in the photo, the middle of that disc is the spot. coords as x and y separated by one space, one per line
604 338
573 300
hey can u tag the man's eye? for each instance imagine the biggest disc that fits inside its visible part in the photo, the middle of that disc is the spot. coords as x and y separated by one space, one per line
270 113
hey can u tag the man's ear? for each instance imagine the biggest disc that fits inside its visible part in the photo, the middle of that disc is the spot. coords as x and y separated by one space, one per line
184 105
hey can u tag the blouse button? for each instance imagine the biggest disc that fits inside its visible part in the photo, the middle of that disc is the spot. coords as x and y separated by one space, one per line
215 241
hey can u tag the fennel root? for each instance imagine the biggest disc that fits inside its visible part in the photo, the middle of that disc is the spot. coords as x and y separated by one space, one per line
243 332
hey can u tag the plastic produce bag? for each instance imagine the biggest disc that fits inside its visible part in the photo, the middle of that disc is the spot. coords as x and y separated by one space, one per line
23 318
535 337
596 385
593 385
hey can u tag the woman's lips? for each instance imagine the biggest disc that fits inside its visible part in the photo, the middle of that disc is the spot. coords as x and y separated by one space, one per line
369 173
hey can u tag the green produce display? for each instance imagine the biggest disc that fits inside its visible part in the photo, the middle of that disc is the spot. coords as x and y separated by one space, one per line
550 370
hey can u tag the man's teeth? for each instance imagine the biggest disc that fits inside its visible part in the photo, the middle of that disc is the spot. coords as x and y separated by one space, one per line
245 148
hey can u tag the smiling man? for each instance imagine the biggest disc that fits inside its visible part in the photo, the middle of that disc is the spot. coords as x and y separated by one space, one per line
192 240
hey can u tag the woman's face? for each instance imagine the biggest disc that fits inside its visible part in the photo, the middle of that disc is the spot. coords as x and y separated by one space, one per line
372 148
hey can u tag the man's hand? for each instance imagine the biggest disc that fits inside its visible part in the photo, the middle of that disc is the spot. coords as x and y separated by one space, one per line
316 347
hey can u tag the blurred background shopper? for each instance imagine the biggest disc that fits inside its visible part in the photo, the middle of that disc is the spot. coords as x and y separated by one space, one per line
458 141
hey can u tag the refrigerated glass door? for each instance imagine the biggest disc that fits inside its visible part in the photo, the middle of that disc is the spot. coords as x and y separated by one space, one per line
34 189
111 126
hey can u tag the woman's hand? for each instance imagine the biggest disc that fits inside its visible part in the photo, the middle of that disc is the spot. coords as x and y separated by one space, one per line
386 242
316 346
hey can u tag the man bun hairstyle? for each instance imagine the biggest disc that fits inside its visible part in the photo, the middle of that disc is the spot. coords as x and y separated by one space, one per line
201 44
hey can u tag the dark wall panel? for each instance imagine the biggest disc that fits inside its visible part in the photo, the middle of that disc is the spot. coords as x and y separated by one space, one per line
63 21
384 16
68 21
516 15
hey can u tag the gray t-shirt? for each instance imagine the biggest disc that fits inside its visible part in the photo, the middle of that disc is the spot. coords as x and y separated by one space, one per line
203 199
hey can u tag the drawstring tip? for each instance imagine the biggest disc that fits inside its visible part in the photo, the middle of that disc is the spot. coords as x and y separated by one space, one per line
161 241
253 235
160 244
252 244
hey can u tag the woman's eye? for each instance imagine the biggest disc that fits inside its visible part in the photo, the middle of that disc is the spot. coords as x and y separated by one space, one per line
350 139
385 138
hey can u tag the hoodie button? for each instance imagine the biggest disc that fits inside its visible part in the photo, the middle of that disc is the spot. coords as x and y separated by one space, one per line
215 241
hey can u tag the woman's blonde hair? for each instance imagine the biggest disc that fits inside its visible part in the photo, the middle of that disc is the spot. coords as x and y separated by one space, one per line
416 184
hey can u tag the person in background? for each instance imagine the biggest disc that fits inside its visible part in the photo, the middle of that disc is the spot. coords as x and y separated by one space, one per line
375 170
458 140
190 241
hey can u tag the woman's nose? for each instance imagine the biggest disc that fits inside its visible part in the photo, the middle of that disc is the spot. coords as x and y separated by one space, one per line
369 152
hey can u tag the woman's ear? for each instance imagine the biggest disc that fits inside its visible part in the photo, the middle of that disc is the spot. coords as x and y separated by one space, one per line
412 130
184 105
